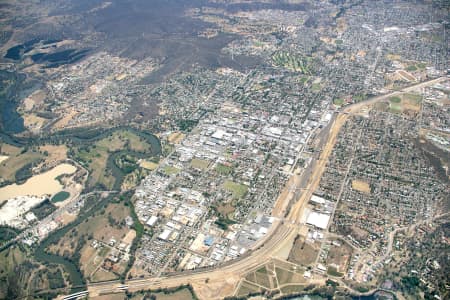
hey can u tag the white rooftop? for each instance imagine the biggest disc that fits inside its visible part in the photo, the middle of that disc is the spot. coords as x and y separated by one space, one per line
317 219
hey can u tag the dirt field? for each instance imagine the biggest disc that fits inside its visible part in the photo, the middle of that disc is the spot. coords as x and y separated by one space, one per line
272 276
89 261
129 237
361 186
287 277
120 296
149 165
303 253
226 209
339 256
200 164
38 185
102 275
176 137
55 153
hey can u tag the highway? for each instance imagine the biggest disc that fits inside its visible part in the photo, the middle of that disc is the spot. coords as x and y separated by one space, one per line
221 282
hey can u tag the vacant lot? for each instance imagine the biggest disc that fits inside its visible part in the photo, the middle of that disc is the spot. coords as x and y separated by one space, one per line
247 288
149 165
288 277
303 253
226 210
339 256
361 186
236 189
200 164
102 275
176 137
223 169
170 170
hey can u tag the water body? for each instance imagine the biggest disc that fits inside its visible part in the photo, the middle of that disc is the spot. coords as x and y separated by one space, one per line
308 297
38 185
75 277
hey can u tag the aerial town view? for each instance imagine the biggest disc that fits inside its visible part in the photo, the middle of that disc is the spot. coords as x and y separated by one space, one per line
225 149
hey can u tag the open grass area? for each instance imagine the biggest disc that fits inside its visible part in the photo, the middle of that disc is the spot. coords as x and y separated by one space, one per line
395 99
291 61
411 68
170 170
176 137
292 289
124 139
413 98
316 87
381 106
338 101
247 288
332 271
395 108
95 158
200 164
285 276
134 178
18 158
223 169
103 275
263 280
226 210
236 189
182 294
9 258
339 256
262 270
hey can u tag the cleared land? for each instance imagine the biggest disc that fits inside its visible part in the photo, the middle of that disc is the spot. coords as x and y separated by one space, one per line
339 256
200 164
176 137
38 185
361 186
303 252
149 165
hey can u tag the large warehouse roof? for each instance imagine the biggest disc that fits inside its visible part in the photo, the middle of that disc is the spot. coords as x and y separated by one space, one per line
317 219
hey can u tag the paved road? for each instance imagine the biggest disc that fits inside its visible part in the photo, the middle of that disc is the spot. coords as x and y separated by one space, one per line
282 233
